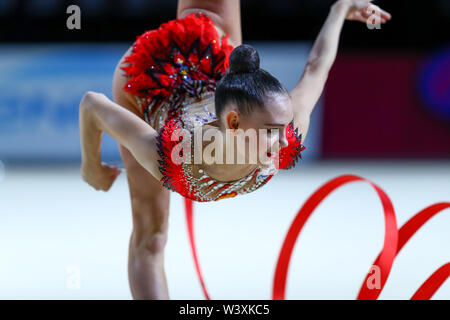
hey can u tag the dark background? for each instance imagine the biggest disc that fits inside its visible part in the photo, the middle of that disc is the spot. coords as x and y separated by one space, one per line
390 86
420 25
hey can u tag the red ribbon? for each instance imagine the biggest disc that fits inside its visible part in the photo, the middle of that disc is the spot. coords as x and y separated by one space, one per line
190 224
394 240
432 284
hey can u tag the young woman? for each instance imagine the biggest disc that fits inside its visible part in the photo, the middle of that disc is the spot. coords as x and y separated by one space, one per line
194 73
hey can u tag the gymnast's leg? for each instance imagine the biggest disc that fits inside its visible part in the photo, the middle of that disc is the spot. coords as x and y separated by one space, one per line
150 212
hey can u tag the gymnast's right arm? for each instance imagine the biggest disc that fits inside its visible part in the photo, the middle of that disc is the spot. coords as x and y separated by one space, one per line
99 114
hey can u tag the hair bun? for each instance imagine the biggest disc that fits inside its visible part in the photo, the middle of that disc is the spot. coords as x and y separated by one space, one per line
244 59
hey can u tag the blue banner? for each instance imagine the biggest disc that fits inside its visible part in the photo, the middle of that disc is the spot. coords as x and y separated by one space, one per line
41 87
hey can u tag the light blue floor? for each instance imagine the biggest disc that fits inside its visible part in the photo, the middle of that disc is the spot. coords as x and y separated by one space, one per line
56 230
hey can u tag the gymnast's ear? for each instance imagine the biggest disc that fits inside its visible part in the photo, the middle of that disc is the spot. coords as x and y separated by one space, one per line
232 120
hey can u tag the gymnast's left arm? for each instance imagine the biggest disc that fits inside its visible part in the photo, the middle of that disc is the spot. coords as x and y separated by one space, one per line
308 90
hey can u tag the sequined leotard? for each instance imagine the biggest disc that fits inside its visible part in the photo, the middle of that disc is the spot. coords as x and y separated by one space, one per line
173 72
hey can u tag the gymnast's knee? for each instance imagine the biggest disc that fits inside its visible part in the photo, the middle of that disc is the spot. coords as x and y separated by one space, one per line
153 244
150 226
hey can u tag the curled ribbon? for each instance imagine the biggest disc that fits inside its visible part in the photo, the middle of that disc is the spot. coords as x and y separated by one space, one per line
394 240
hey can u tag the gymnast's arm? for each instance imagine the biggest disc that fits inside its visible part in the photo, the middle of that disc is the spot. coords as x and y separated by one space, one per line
99 114
308 90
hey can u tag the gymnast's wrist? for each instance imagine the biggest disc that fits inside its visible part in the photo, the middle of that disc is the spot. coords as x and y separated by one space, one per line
90 164
341 5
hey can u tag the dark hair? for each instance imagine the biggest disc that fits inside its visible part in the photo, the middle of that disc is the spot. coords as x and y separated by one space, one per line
246 84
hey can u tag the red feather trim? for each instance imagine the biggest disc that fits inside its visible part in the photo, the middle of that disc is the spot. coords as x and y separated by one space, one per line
179 50
289 155
171 140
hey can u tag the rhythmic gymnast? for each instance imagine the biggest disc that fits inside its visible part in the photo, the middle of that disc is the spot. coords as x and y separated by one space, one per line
193 75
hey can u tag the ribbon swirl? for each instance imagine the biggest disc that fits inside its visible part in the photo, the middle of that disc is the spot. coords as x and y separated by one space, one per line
394 240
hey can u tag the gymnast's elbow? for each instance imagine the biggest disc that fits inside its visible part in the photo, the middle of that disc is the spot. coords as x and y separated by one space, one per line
90 99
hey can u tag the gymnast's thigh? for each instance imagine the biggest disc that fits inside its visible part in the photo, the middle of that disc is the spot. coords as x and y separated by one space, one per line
149 198
226 15
147 192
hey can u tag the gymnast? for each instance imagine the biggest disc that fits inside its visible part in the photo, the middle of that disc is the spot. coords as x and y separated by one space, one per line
193 77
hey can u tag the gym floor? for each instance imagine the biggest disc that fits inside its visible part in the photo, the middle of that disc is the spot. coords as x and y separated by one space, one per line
61 239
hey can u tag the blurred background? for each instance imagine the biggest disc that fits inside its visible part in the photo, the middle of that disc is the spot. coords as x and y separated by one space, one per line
384 115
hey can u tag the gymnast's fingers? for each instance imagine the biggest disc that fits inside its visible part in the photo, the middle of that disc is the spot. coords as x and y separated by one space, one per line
374 9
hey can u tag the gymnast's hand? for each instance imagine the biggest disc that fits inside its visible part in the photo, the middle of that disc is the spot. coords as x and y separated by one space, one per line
100 177
362 10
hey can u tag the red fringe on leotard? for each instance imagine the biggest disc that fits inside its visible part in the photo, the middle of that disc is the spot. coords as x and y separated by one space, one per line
170 136
180 49
289 155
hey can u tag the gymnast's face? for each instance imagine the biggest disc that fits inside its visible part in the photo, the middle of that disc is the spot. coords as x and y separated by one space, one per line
273 120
